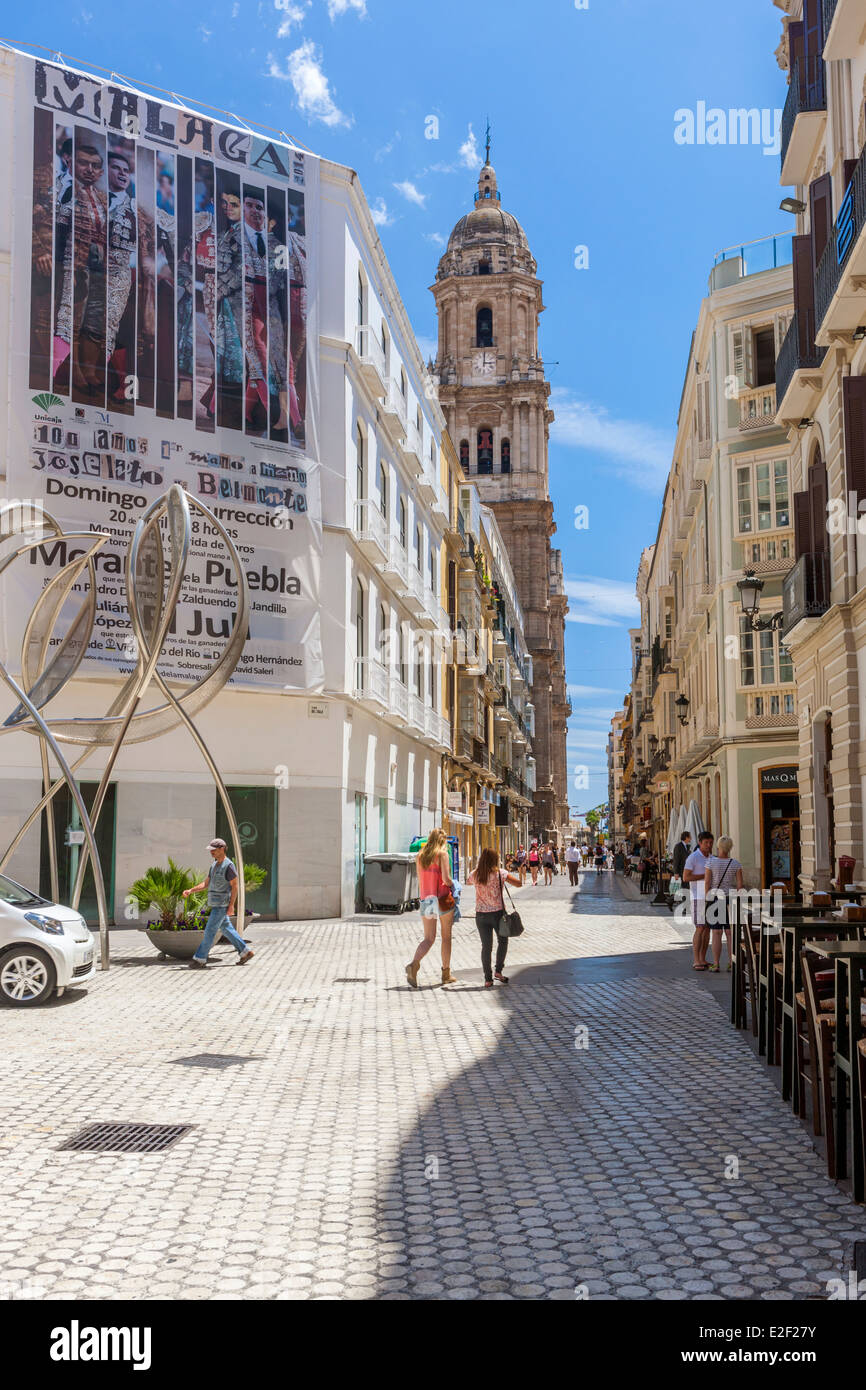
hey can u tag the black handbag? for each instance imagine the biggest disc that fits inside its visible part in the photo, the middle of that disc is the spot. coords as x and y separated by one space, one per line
510 923
721 907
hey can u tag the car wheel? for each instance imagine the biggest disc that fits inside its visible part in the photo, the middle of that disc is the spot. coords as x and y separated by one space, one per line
27 976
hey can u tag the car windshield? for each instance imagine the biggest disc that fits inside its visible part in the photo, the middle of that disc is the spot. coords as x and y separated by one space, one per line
13 893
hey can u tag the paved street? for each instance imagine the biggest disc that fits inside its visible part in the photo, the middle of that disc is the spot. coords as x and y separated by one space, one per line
370 1141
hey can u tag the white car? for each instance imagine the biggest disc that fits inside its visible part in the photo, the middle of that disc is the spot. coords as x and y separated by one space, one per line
43 947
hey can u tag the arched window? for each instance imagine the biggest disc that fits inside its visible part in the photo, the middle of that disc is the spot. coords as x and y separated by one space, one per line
419 670
505 456
464 455
419 549
382 637
402 511
432 679
404 385
484 327
485 451
483 267
362 318
383 490
360 624
431 568
401 654
361 476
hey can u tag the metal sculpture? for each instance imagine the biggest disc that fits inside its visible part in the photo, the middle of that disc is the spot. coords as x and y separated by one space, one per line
154 582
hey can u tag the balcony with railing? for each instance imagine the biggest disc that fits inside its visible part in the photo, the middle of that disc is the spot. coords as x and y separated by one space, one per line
395 568
417 716
374 364
438 730
798 367
398 708
371 529
803 117
412 448
416 596
840 304
843 28
806 590
757 408
371 683
395 412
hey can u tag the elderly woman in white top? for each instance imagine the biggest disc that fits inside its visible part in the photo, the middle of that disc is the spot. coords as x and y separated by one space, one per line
722 874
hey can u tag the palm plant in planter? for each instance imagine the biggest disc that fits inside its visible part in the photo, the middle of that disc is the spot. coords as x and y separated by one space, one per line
181 924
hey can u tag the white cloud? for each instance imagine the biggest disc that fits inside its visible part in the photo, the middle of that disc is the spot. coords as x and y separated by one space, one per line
578 691
436 237
411 193
468 152
293 13
601 602
236 9
338 7
386 149
205 33
590 619
641 453
380 214
312 89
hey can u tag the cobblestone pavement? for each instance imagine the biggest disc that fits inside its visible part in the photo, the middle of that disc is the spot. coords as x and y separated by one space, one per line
372 1141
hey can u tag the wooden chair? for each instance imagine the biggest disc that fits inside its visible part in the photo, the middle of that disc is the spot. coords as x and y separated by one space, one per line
861 1081
749 943
821 1025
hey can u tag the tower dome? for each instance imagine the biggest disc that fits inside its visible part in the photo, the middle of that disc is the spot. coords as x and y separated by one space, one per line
488 240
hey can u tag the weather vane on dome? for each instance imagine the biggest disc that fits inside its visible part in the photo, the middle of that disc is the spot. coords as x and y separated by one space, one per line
487 155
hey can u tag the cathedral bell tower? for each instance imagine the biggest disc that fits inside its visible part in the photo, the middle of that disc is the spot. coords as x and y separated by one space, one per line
494 395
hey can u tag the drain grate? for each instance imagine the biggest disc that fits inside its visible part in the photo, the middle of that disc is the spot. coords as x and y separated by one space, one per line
215 1061
126 1138
353 980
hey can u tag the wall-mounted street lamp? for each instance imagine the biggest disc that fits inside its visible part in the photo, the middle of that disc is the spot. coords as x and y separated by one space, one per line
653 743
792 205
681 705
750 589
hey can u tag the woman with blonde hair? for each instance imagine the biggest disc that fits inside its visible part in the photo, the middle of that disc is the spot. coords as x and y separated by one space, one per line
722 874
437 901
488 879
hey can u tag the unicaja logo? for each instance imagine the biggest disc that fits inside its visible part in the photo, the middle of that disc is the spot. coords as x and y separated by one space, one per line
77 1343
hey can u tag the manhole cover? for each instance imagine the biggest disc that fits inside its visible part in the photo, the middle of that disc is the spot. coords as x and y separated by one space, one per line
216 1061
353 980
125 1138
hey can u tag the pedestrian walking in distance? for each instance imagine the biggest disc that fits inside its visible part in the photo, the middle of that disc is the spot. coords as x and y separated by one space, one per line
548 860
488 879
222 895
694 873
533 861
722 874
572 859
435 886
520 861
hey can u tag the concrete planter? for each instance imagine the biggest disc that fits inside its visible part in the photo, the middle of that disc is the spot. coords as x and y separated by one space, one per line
182 945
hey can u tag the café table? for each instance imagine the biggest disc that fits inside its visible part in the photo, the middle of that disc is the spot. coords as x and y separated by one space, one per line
794 935
850 960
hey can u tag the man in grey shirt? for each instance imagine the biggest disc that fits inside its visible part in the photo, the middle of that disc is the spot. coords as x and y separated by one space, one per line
222 894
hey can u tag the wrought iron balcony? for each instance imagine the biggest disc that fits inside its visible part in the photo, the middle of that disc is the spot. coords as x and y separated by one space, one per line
850 222
794 358
806 589
807 95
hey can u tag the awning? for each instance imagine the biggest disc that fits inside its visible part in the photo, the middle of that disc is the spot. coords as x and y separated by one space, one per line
458 817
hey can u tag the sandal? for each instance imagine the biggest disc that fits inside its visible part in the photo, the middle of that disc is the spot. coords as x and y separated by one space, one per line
700 967
503 979
488 984
714 968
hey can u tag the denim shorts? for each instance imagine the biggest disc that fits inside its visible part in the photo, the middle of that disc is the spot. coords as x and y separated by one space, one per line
430 906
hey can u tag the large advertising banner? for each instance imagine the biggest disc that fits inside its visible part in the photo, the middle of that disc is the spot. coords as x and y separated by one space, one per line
163 328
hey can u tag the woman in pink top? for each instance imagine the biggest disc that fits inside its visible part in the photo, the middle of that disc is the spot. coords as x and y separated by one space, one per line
488 879
434 885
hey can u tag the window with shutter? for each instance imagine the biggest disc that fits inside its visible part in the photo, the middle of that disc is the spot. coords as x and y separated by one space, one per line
804 294
738 355
820 217
802 524
781 323
818 504
854 407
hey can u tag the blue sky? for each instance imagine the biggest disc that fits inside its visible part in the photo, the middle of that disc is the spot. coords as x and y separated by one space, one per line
582 103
